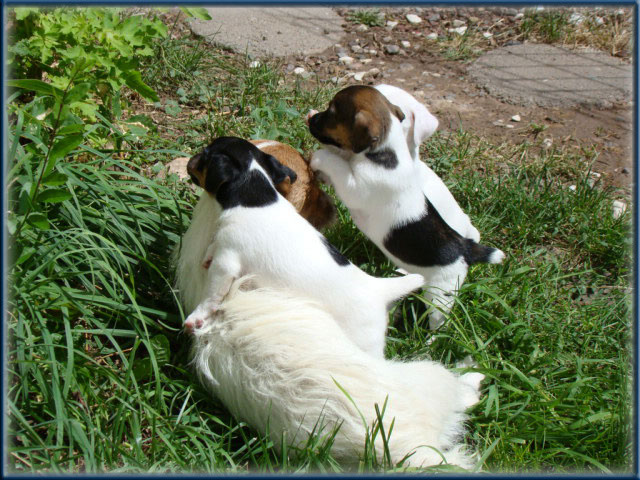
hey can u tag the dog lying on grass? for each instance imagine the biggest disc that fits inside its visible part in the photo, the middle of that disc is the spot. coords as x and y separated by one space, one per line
253 230
281 363
369 164
304 193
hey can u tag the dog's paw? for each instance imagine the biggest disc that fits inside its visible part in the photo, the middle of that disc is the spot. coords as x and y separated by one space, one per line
203 314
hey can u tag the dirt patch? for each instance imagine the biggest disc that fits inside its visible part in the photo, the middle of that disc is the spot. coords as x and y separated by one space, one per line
419 65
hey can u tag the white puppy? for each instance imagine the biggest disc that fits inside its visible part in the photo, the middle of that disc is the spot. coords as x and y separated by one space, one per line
376 177
280 363
258 232
418 125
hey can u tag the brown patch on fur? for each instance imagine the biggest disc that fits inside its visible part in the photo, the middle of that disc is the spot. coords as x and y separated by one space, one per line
358 118
304 194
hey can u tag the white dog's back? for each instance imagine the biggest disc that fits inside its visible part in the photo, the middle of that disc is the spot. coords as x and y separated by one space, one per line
276 360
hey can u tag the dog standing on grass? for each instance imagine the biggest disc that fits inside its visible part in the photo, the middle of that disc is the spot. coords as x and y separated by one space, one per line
250 229
368 162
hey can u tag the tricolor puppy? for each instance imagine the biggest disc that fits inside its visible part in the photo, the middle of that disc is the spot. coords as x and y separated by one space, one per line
282 364
257 232
418 125
304 193
372 170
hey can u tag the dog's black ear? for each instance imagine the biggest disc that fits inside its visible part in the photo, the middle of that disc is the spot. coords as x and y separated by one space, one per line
277 171
220 170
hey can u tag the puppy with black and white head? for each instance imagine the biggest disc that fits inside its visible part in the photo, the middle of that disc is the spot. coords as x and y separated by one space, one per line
369 164
257 232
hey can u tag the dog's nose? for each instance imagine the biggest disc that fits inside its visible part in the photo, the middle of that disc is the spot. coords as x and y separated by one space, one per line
310 114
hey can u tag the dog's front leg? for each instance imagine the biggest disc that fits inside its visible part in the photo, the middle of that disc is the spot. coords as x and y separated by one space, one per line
340 174
224 267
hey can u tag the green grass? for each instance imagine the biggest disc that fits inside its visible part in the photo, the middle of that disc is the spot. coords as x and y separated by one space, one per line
371 17
98 369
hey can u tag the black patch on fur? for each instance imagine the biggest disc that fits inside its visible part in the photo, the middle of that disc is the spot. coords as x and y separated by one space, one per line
385 158
277 171
430 241
335 253
251 189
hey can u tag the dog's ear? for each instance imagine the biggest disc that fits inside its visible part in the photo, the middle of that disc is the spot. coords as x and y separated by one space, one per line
277 171
220 169
366 132
397 111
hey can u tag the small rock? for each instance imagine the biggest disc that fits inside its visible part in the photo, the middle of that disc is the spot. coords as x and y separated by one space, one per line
346 60
364 61
359 76
598 21
458 23
459 30
374 72
362 28
474 20
434 74
254 64
298 70
625 170
576 18
392 49
420 93
387 39
405 44
391 24
618 208
373 52
572 188
413 19
516 118
177 166
434 18
547 143
509 126
487 34
356 48
519 16
432 36
405 67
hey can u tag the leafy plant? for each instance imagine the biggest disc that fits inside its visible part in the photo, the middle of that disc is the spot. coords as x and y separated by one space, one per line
372 17
51 44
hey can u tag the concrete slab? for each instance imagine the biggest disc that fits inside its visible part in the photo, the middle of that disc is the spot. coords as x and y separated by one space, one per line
271 31
549 76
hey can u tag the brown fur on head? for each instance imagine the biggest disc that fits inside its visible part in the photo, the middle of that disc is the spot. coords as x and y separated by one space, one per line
305 193
358 117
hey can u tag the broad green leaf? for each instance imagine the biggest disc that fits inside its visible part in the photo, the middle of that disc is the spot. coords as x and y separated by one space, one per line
78 93
54 195
37 86
133 79
55 179
22 13
63 146
73 128
38 220
197 12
